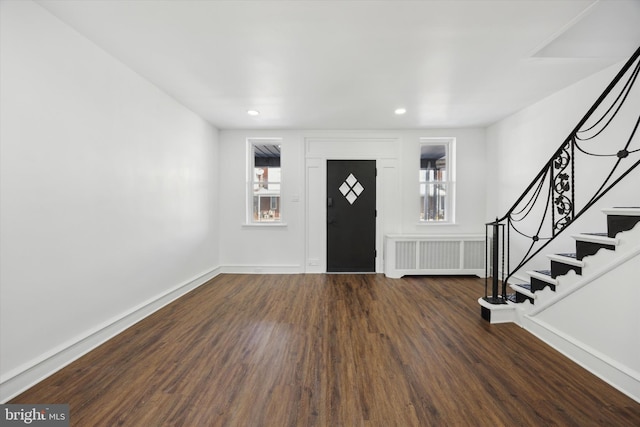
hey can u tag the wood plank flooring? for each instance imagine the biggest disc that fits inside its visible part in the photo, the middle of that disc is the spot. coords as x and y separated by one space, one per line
330 350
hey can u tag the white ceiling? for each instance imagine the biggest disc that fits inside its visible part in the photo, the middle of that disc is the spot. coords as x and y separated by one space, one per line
349 64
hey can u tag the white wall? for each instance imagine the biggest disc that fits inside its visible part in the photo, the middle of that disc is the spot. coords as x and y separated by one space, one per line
261 248
300 246
520 145
600 329
108 195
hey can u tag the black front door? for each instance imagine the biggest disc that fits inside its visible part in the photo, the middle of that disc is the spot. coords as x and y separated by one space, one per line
351 215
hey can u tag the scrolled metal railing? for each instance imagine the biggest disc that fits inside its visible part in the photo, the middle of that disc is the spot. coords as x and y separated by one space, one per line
549 205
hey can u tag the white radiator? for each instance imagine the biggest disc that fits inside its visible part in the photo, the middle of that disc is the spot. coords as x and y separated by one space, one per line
429 254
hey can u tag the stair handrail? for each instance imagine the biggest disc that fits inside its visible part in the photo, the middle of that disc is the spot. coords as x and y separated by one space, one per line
559 171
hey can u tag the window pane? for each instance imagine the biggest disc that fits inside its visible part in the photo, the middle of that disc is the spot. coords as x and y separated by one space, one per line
433 162
433 202
266 208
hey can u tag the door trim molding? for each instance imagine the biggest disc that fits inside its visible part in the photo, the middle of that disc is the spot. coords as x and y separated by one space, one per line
384 150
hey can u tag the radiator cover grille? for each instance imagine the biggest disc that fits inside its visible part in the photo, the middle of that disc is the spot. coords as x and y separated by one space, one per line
439 255
406 255
462 254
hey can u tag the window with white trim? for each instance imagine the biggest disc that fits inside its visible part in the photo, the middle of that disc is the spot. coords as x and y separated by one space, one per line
263 193
437 180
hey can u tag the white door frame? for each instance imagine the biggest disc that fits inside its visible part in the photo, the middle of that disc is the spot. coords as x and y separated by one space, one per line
320 149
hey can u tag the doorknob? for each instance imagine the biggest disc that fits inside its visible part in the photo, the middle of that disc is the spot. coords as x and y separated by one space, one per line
330 202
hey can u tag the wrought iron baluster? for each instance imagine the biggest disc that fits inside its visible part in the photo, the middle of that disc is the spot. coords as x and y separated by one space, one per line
561 185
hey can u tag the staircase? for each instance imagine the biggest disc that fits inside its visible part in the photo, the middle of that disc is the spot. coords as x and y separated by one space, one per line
550 204
585 304
586 259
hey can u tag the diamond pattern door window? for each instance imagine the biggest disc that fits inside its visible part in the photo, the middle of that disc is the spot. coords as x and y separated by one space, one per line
351 188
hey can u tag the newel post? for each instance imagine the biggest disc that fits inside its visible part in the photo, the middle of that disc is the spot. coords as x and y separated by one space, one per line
495 256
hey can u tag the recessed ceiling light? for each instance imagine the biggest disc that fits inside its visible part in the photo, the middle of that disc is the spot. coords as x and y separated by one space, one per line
253 112
400 111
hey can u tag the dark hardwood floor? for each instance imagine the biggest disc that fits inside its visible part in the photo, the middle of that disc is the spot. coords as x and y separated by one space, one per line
330 350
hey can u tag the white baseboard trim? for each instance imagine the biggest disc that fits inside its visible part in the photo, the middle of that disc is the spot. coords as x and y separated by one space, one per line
30 373
621 377
262 269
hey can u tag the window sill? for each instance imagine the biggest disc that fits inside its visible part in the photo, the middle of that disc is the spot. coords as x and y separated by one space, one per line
436 223
264 225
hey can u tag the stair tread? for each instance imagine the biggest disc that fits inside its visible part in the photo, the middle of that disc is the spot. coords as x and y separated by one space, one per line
524 289
567 259
569 255
545 272
598 238
543 275
623 211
